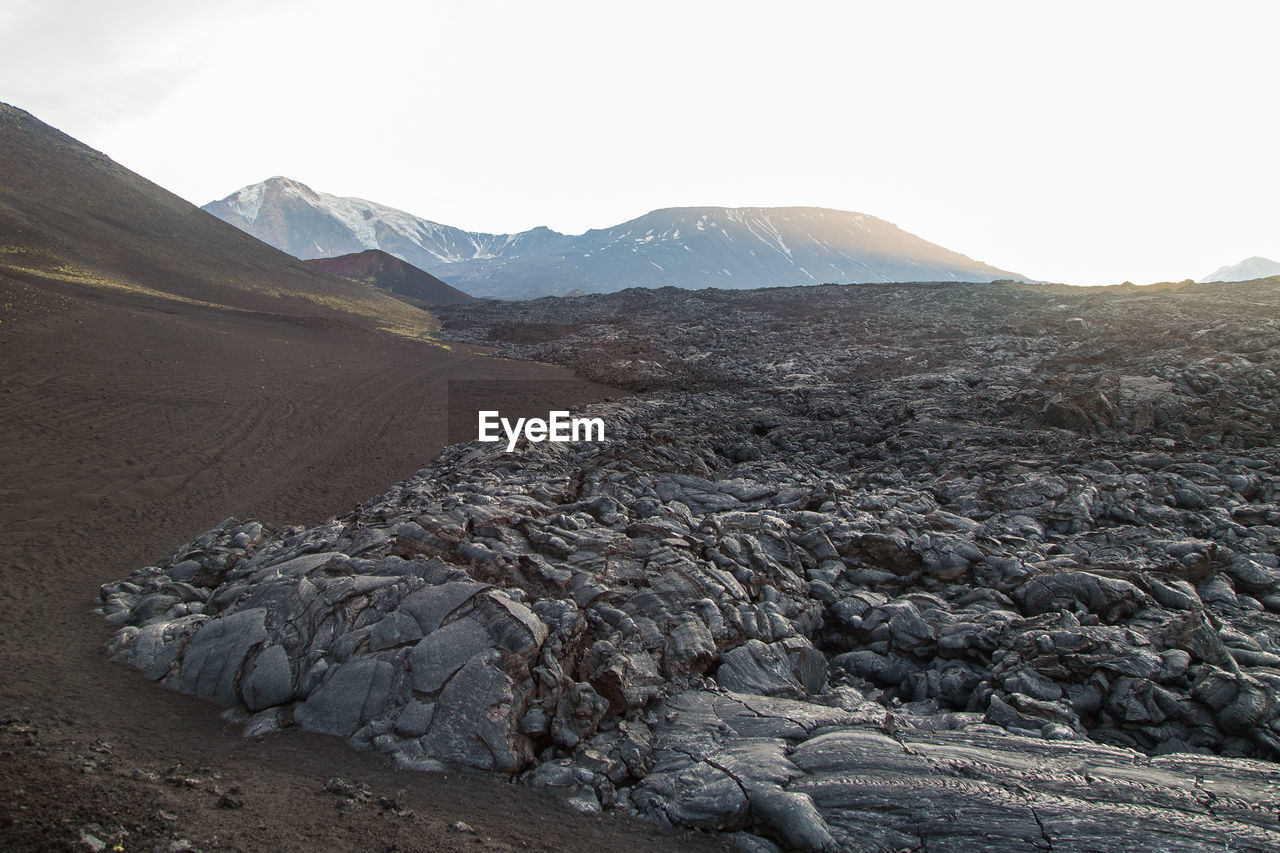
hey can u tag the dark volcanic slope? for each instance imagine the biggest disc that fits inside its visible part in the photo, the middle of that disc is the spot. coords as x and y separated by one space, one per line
692 247
69 213
929 567
387 272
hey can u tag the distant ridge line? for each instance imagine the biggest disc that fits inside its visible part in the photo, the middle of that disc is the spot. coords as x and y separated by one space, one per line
689 247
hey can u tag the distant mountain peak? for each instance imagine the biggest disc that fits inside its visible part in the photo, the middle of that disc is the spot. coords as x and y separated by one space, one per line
690 247
1247 270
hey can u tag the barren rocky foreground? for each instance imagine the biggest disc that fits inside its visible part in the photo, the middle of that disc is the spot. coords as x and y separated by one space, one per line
160 371
933 567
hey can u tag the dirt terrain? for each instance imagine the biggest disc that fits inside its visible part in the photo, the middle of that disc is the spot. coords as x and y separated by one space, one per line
128 424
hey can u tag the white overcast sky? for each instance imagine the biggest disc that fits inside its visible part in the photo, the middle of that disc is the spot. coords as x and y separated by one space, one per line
1087 142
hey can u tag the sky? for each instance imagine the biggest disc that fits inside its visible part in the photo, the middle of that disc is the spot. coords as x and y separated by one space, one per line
1083 142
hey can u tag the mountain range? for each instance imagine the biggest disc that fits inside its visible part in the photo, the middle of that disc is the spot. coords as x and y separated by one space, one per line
691 247
1247 270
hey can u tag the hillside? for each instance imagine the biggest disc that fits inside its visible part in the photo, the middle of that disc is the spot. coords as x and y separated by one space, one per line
689 247
70 215
392 275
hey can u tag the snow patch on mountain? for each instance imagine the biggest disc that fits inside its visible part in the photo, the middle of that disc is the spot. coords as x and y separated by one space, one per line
248 201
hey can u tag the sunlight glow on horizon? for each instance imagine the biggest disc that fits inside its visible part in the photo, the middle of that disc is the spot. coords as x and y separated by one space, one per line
1092 143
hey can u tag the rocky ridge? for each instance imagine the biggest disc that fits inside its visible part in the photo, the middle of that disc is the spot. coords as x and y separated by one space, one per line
888 567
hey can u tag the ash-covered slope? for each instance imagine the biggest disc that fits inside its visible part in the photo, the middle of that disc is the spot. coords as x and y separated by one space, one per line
70 215
387 272
927 567
1247 270
690 247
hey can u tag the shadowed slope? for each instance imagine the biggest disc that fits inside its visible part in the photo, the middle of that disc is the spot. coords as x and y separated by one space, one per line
388 273
70 213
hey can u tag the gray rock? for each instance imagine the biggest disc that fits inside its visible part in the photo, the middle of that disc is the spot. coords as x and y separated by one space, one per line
1250 574
1110 598
350 695
628 679
431 606
446 650
1218 591
696 795
690 648
154 648
758 668
793 819
415 718
474 720
212 661
1174 593
513 626
577 714
153 607
268 680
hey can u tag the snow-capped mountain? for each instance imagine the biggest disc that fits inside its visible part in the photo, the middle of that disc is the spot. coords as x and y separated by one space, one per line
307 224
1246 270
690 247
